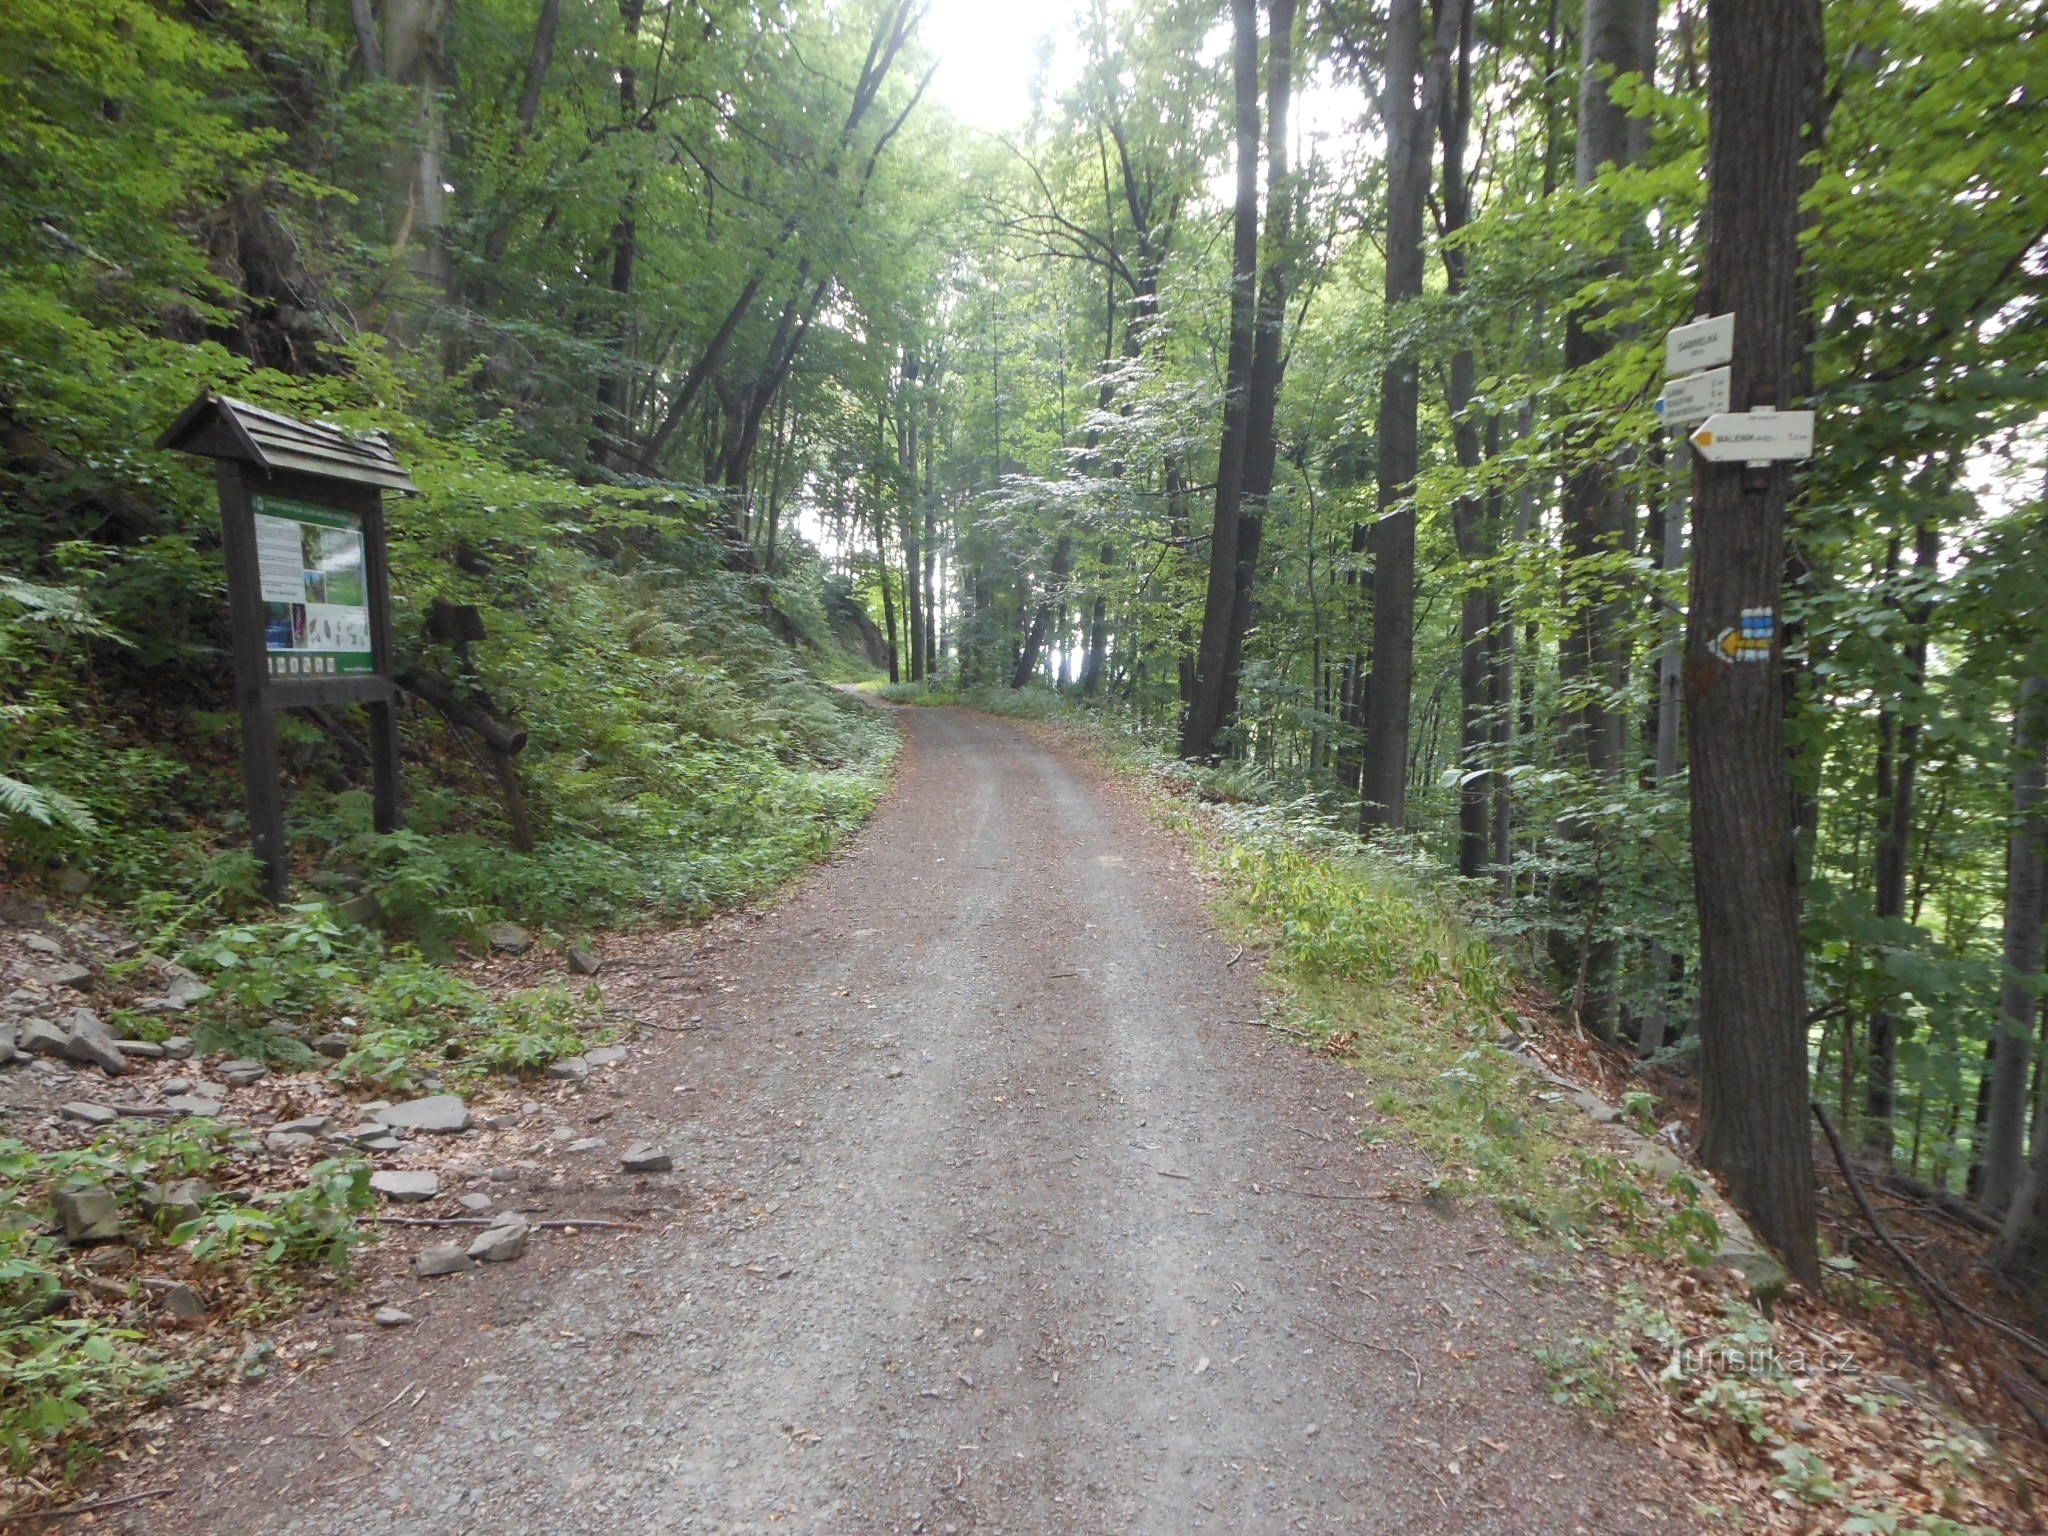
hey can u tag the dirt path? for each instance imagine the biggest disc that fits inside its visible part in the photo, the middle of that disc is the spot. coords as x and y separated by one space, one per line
986 1219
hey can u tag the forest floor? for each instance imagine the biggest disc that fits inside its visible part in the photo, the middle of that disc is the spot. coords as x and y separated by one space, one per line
989 1214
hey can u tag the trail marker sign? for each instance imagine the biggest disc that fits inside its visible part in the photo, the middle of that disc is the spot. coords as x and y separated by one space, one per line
309 591
1754 437
1704 344
1689 401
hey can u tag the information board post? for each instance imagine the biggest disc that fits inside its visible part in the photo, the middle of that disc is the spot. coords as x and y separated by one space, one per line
303 532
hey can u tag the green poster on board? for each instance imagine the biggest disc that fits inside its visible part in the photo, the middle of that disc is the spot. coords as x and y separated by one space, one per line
315 587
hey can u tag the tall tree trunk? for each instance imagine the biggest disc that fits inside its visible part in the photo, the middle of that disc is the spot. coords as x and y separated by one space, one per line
1753 1073
611 429
1041 617
1391 542
1898 771
2005 1119
914 598
1469 524
1665 967
1592 652
1204 722
1269 365
414 57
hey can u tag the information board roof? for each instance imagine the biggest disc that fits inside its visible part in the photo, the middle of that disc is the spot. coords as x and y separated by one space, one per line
218 427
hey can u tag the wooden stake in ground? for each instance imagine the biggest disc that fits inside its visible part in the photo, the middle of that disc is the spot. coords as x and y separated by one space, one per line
1753 1072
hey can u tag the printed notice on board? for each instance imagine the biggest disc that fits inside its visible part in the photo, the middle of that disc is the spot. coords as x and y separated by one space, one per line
316 596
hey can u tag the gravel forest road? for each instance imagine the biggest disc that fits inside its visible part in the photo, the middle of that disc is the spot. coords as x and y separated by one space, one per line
990 1215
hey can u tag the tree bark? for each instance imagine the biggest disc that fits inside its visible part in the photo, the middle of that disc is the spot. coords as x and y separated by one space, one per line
1269 364
1391 541
414 57
1469 527
1204 721
2019 1002
1753 1073
1898 771
1592 653
908 422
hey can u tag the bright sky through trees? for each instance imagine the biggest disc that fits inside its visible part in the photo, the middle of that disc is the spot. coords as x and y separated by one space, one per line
989 53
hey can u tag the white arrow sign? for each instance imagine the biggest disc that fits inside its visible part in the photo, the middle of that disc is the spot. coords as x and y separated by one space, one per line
1755 437
1703 344
1687 402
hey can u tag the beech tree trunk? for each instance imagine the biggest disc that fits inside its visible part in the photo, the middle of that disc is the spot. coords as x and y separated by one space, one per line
1753 1072
1898 771
1469 523
1391 541
413 56
2005 1117
1204 722
1269 365
1592 654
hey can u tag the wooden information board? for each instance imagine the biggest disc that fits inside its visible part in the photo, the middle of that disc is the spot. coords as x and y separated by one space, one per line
309 594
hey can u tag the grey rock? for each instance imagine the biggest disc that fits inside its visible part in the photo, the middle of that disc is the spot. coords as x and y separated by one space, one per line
178 1048
77 977
1660 1162
147 1050
585 1144
382 1144
1740 1251
441 1259
177 1202
43 1037
305 1125
369 1130
584 962
242 1072
406 1185
647 1159
332 1045
1601 1111
184 990
83 1021
606 1056
183 1304
475 1203
99 1052
500 1122
570 1069
501 1242
71 882
176 1085
192 1104
508 938
89 1214
391 1317
439 1114
88 1114
8 1035
42 944
284 1143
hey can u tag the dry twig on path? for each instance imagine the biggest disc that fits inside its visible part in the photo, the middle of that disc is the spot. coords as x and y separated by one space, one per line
90 1506
484 1221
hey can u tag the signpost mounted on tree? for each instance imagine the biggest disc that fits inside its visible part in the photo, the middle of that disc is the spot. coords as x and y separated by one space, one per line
309 594
1763 65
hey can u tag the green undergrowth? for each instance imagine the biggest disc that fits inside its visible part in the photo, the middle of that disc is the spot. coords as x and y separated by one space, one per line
82 1343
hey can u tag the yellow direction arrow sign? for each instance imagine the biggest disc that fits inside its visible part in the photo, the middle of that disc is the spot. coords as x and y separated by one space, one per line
1754 436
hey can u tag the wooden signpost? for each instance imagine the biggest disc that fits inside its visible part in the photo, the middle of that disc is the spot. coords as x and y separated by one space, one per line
302 525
